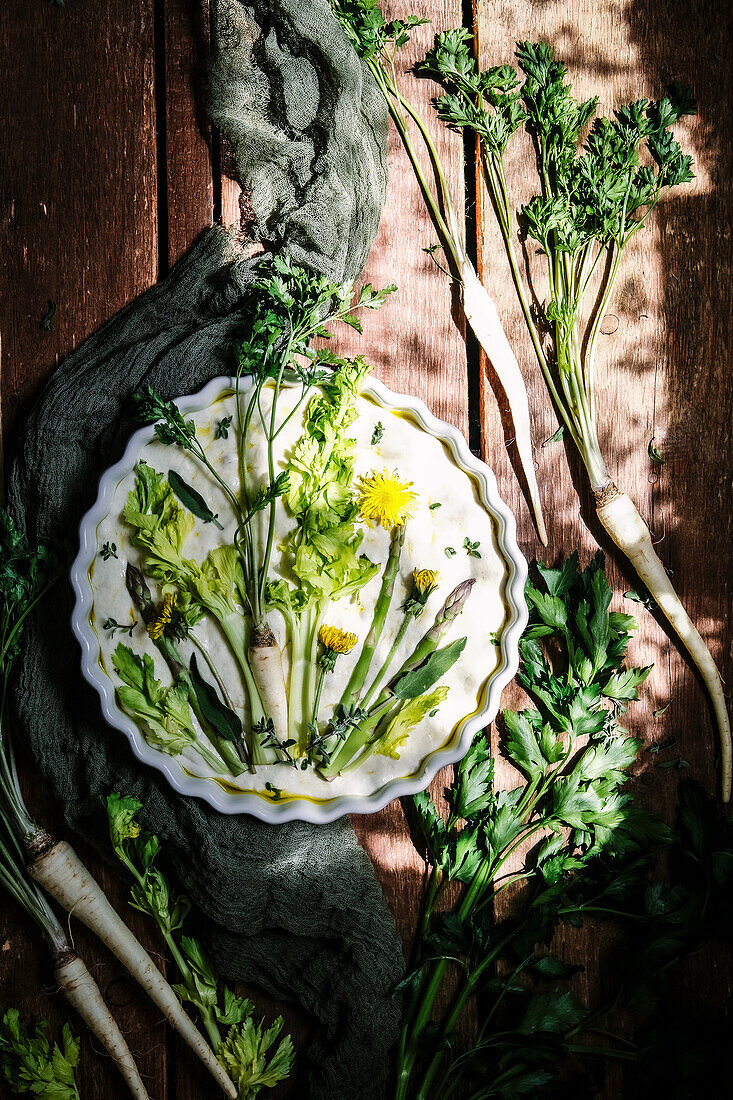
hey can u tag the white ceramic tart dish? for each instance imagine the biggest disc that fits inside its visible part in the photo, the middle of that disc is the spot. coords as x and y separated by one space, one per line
460 527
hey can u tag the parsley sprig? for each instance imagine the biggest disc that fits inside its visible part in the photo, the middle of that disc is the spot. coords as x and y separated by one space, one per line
30 1063
594 197
571 805
244 1047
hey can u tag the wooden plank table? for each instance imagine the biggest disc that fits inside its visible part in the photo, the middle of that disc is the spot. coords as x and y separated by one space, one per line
108 173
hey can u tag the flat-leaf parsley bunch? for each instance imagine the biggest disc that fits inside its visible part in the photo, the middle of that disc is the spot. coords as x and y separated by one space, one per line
565 820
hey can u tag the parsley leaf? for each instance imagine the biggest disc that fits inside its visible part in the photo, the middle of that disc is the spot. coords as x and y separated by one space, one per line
30 1063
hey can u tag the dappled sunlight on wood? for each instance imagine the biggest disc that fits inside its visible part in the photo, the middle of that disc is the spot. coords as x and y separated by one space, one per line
414 342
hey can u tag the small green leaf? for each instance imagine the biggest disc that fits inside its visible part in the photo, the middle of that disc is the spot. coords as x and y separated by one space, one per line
654 453
556 437
434 505
190 498
640 597
222 428
450 552
113 626
46 322
377 433
226 723
421 679
551 1012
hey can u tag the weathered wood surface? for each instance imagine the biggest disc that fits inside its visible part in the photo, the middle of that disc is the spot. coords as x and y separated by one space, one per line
663 372
108 174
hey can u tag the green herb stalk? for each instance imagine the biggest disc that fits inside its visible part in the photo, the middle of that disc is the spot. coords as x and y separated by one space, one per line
412 608
593 200
366 727
242 1046
323 550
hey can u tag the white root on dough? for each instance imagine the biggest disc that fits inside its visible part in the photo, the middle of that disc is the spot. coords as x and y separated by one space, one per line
83 994
265 658
62 875
618 514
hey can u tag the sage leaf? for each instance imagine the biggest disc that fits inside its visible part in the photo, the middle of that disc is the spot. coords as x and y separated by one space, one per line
226 723
421 679
190 498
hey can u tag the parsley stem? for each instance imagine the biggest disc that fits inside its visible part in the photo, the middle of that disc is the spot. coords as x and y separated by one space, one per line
205 1011
422 1017
317 700
471 980
264 569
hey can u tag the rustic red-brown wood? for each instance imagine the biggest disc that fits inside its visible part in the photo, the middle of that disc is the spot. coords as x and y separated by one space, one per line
108 176
79 227
663 373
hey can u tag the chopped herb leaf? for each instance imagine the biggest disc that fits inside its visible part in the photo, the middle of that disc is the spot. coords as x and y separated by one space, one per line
654 453
222 428
377 433
46 322
556 436
113 626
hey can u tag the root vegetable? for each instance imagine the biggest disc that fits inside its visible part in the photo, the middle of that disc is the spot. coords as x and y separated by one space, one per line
57 868
265 659
83 994
620 518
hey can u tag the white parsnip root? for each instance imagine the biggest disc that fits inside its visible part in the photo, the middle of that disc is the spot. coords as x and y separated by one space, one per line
265 659
60 872
622 521
483 317
83 994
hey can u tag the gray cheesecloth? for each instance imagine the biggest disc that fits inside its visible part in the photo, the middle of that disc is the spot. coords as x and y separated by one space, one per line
295 908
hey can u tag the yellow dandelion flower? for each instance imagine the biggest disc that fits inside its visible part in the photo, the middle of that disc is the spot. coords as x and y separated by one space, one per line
338 641
385 498
426 580
157 625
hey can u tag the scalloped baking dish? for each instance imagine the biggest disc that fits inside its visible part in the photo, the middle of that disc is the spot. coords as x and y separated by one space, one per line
230 800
